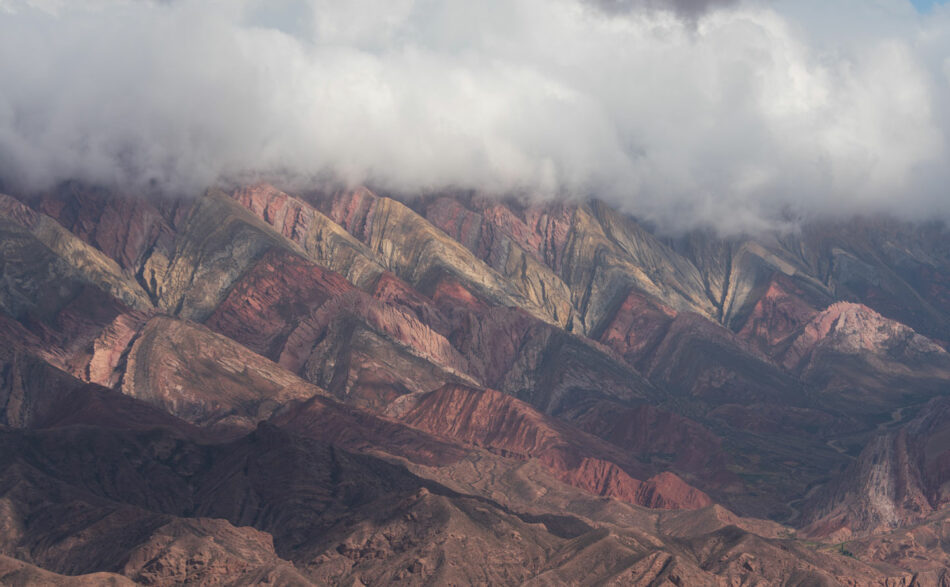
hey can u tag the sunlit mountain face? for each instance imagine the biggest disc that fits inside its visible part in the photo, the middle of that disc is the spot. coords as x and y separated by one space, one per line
427 292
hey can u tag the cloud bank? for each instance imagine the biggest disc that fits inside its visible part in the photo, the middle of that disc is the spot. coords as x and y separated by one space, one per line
735 114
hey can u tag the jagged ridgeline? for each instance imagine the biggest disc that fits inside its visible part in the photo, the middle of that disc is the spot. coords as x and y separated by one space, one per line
340 387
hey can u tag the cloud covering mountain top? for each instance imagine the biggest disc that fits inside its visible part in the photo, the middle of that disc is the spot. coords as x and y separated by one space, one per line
735 114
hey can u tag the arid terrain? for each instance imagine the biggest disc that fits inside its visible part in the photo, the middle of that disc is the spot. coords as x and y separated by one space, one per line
332 386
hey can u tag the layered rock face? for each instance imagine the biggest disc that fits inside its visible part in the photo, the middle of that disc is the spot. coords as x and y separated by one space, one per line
901 478
254 386
504 425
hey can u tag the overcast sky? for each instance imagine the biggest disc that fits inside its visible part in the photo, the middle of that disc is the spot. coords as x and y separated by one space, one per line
735 113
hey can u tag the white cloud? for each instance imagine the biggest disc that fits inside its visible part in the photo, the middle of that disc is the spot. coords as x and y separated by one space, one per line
733 116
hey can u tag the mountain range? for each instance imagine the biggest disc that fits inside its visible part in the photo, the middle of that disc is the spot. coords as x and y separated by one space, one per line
259 385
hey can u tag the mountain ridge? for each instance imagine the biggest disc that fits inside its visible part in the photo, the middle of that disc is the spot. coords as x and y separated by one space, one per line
459 343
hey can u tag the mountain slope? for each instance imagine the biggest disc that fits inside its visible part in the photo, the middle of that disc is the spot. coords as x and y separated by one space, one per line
333 386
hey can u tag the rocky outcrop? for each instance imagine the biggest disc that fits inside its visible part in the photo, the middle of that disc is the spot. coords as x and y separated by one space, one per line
128 229
218 242
779 315
207 379
502 424
512 247
316 324
596 252
17 572
268 302
855 329
329 421
600 273
209 551
882 492
921 546
392 290
664 491
29 386
34 394
490 228
856 356
901 478
637 328
701 359
36 245
325 242
891 266
66 302
393 322
551 369
414 250
369 353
